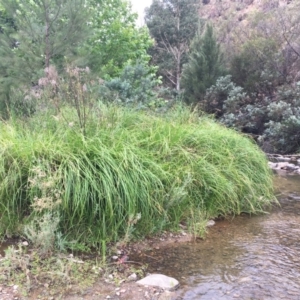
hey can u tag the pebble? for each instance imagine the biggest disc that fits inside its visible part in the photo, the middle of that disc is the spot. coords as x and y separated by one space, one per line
132 277
210 223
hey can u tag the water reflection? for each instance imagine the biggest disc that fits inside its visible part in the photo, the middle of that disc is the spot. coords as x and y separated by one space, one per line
246 258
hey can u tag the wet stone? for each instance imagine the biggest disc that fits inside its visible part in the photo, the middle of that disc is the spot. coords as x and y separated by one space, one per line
161 281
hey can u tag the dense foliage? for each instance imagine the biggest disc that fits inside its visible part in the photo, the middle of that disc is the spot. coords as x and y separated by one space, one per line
115 40
41 33
36 34
132 174
262 58
274 121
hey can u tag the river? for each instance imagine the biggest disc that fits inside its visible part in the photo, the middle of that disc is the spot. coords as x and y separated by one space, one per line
255 257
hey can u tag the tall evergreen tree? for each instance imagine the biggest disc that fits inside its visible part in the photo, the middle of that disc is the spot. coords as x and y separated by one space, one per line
172 24
204 66
43 32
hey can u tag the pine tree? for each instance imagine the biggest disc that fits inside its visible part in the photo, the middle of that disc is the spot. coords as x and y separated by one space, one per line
204 66
35 34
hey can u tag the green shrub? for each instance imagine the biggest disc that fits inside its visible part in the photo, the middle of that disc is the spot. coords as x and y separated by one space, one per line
276 119
135 86
128 166
223 97
283 128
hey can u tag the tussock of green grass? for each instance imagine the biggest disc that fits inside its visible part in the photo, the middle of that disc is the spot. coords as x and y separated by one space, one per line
167 169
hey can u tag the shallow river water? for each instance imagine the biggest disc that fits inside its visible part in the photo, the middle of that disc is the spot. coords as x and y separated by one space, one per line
254 257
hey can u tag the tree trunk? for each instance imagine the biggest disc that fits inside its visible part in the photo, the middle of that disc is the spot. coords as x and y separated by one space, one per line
47 35
178 58
178 72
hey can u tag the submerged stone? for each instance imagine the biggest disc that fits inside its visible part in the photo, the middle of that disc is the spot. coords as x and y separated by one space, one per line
159 280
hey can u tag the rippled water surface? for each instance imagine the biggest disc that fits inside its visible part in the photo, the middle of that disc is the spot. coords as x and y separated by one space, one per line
245 258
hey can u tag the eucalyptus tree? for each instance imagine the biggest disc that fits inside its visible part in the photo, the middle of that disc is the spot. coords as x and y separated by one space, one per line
172 24
116 41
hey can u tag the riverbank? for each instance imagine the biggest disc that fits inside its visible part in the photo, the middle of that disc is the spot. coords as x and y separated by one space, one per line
85 276
129 175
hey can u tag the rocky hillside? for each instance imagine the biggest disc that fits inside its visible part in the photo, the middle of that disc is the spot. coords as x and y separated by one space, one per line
239 10
239 21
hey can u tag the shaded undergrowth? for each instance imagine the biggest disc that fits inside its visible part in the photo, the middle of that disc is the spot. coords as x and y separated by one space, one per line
131 174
